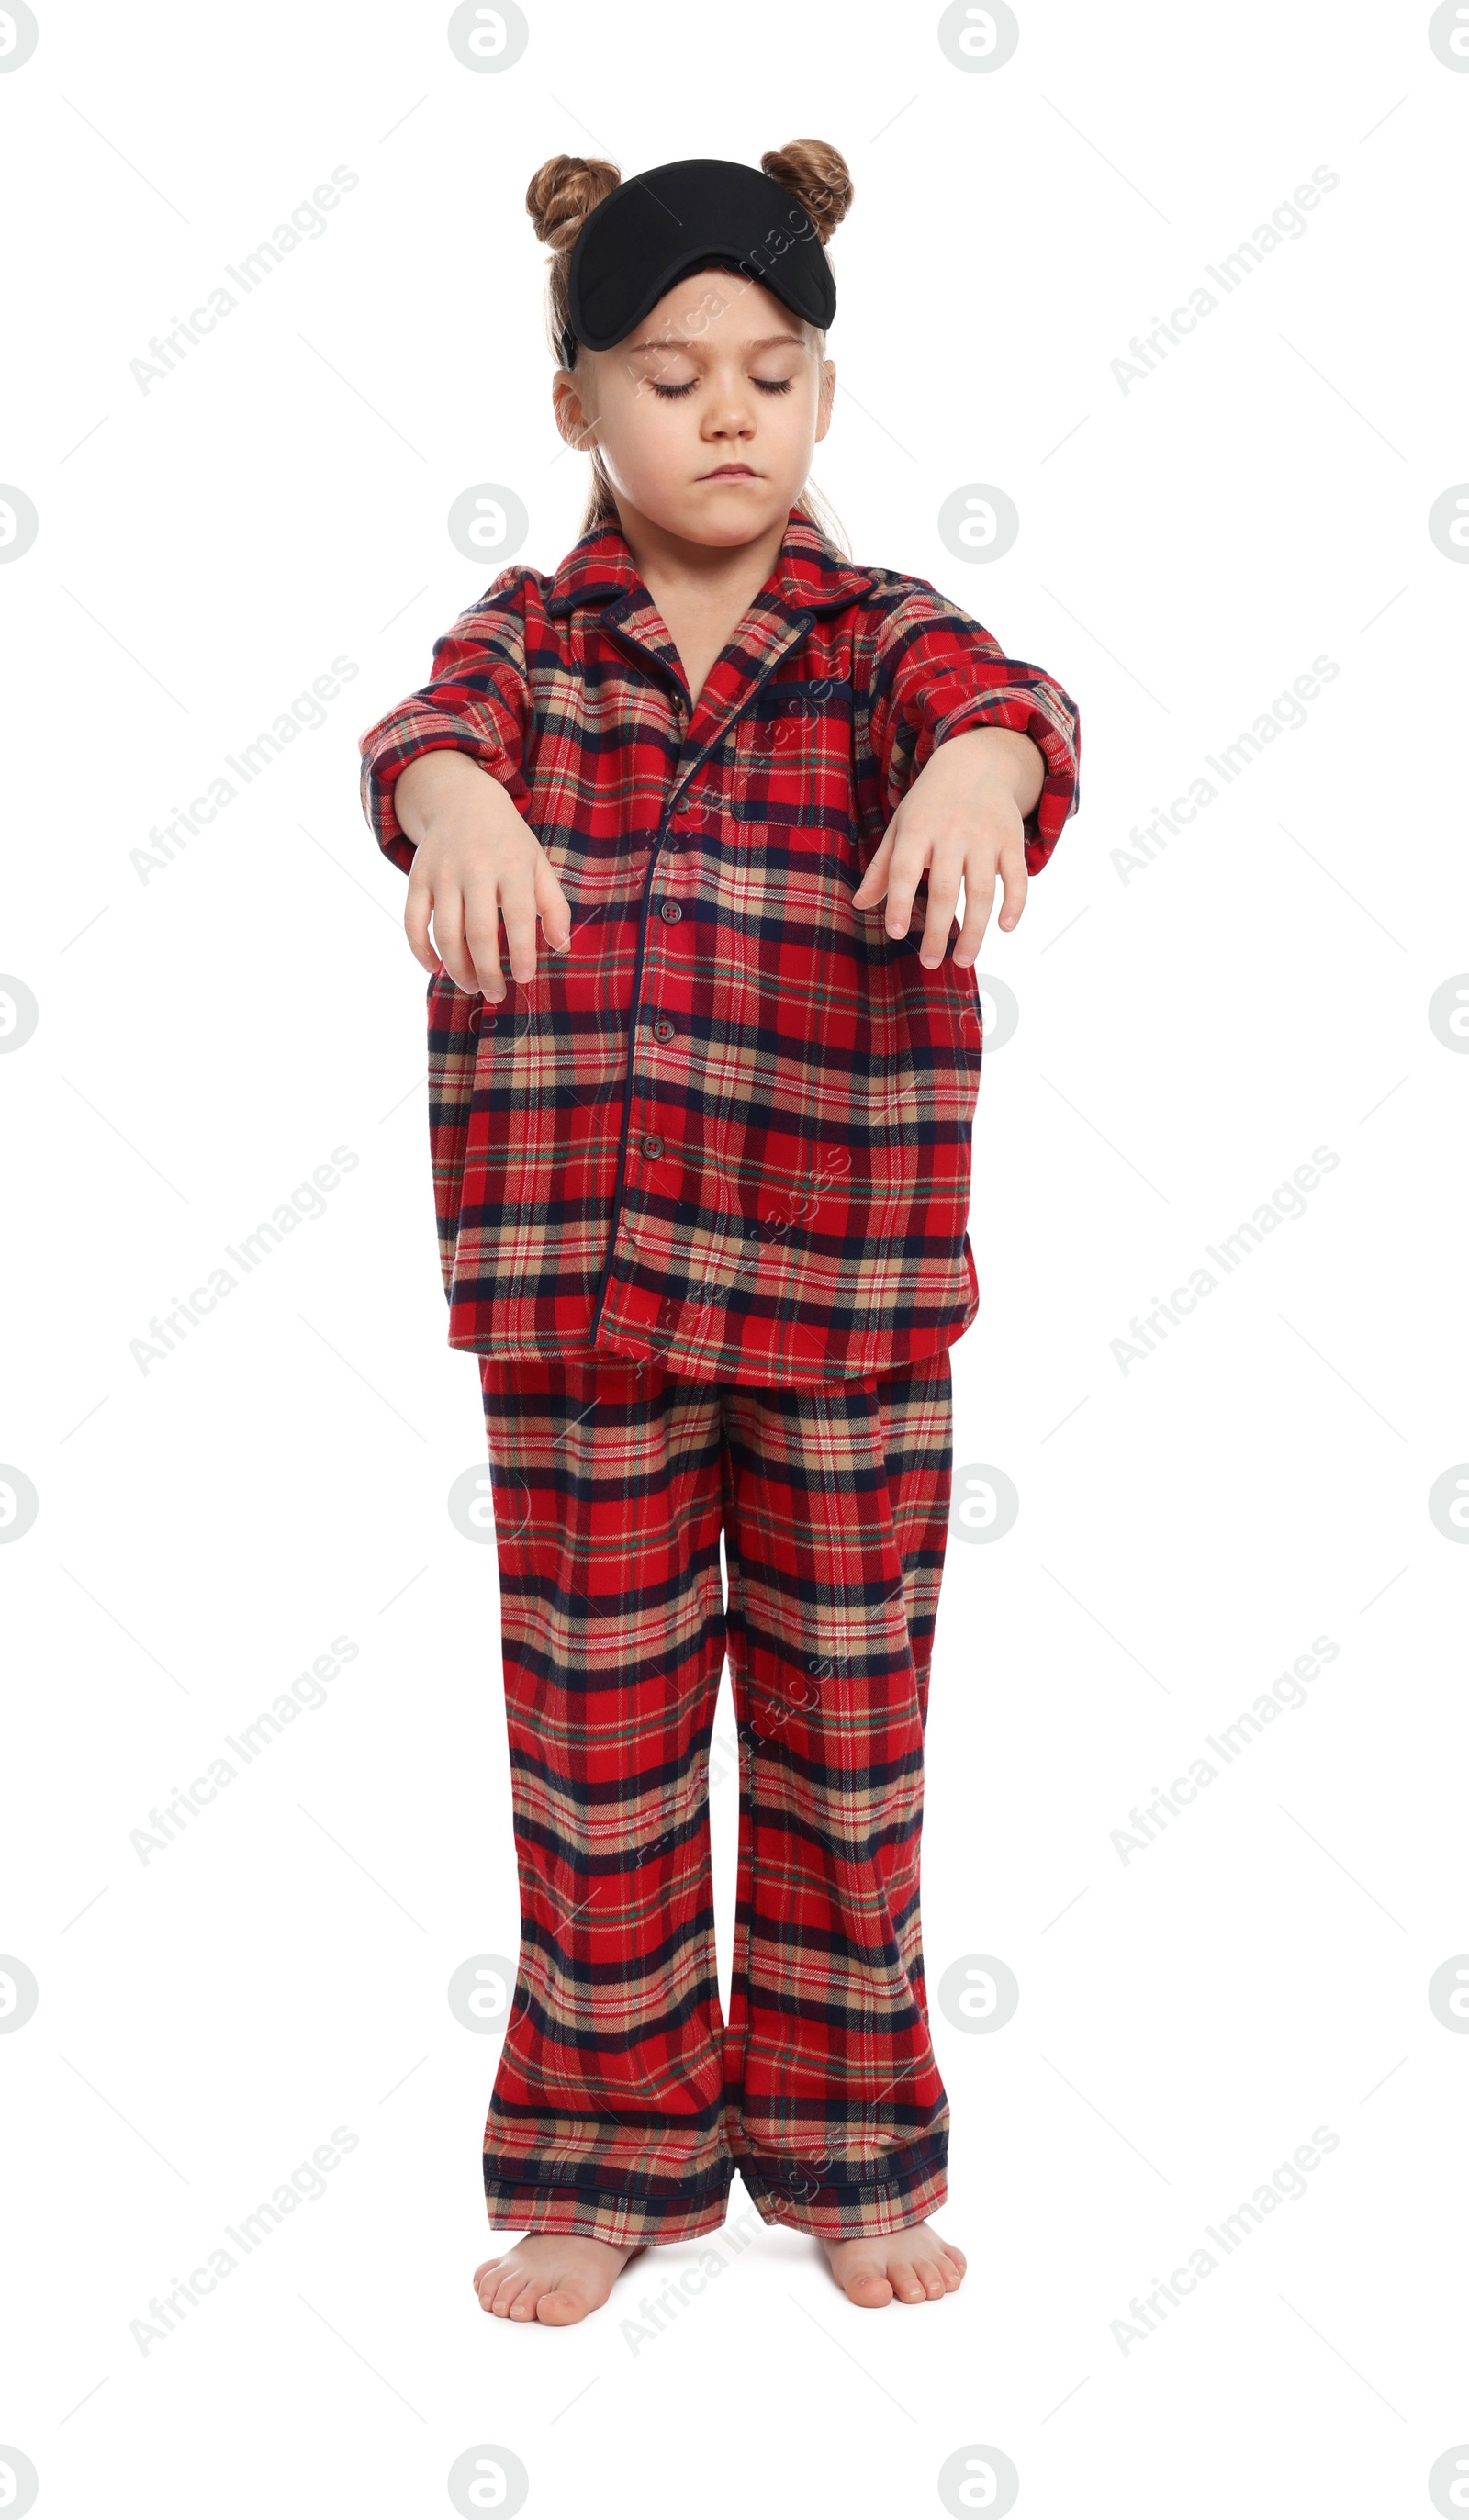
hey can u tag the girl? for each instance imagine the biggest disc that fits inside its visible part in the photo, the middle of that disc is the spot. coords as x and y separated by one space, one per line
702 1177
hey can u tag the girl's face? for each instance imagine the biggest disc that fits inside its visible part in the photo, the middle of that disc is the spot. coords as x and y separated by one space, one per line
706 416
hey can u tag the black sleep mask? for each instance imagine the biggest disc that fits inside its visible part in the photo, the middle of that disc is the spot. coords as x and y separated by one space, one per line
654 228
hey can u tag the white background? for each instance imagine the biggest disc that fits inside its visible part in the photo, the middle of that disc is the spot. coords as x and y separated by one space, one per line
1188 1037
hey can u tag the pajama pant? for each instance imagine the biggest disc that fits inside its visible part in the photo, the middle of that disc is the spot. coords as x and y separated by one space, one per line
623 2100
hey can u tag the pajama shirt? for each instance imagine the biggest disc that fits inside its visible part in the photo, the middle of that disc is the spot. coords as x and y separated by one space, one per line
701 1189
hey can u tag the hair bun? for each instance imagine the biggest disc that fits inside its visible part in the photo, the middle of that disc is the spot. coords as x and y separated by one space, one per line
563 194
819 177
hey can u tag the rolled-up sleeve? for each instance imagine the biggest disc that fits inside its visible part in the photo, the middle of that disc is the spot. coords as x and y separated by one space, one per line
937 673
475 701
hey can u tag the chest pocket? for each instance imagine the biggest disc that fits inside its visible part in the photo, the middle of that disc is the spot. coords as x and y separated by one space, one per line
791 763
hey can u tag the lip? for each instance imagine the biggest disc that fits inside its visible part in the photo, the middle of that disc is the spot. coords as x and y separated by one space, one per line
731 472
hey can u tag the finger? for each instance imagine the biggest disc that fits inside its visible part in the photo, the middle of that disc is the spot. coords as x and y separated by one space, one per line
943 895
910 859
448 936
517 908
551 902
482 939
1017 884
874 884
978 900
416 909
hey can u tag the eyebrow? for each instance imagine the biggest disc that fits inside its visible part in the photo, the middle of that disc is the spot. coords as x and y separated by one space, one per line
674 341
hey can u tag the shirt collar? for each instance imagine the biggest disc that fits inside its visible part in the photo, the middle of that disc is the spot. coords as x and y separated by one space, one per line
809 574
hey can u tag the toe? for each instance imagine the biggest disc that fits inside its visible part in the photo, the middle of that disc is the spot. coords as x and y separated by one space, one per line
504 2293
870 2289
932 2280
907 2283
530 2291
560 2305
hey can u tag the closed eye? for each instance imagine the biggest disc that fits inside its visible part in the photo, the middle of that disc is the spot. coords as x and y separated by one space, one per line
764 385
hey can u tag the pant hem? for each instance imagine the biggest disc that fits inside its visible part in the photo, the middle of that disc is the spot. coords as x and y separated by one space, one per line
854 2203
601 2212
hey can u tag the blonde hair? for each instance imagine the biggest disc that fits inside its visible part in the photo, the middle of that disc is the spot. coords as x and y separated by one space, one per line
561 197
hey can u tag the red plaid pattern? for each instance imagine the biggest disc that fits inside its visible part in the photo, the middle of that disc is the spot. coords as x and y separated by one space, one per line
624 2101
729 1130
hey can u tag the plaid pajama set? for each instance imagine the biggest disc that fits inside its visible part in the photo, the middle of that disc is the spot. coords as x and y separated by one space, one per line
702 1188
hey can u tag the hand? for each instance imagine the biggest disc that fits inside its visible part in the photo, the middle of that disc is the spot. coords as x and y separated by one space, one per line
962 817
475 859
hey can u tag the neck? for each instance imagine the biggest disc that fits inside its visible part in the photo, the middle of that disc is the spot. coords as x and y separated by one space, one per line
712 572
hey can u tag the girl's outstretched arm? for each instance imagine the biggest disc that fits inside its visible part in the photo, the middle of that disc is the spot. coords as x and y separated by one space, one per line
444 790
963 817
973 768
475 860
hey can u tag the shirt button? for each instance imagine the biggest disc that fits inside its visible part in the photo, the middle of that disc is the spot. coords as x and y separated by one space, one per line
653 1146
662 1030
670 911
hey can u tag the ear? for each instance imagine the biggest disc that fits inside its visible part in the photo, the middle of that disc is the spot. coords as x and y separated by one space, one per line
573 418
824 393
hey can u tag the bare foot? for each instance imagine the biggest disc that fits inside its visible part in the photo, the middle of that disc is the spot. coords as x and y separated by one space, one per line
555 2276
915 2265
